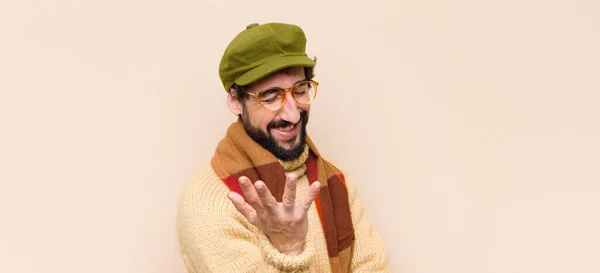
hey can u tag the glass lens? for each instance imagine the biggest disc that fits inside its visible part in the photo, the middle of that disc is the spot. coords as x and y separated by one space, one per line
304 92
271 99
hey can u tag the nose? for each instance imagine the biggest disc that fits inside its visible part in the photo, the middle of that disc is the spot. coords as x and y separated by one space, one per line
289 110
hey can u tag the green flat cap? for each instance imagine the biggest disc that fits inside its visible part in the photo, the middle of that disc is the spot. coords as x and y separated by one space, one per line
260 50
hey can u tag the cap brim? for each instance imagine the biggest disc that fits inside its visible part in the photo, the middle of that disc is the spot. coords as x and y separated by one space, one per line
272 66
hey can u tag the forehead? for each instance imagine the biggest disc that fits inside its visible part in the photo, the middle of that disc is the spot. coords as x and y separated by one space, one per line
284 78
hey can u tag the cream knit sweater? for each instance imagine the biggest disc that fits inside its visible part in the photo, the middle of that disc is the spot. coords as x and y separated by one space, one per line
214 237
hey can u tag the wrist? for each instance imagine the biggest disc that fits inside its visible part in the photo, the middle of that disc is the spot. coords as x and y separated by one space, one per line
292 248
285 262
294 251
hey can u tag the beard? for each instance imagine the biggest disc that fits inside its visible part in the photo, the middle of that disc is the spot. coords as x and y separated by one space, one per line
266 140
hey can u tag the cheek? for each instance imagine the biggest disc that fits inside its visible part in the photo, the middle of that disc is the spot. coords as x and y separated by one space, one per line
305 108
261 118
265 119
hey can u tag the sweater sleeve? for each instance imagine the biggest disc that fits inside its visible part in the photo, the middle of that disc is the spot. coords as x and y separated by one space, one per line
370 254
214 237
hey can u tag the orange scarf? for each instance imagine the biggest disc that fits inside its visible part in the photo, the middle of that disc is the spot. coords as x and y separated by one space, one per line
239 155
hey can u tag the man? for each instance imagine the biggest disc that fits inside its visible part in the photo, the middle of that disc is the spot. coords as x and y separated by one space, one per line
251 209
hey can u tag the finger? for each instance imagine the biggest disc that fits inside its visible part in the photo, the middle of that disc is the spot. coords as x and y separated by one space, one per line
310 196
267 200
241 206
289 193
250 193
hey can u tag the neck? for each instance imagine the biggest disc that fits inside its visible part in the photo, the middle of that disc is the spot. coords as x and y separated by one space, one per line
296 165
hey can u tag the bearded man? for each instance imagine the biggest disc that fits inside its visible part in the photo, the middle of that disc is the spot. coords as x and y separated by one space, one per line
251 208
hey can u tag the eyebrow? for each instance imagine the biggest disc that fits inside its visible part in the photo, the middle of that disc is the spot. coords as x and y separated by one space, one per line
275 87
300 81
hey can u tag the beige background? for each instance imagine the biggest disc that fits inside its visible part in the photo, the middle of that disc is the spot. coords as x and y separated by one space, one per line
471 127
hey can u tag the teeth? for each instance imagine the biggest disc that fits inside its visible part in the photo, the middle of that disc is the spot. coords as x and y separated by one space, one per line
287 128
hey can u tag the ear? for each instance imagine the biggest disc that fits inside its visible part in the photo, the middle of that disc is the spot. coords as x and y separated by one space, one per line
234 105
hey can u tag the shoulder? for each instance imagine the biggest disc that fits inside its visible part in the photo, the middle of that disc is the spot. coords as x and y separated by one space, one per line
345 172
204 191
204 204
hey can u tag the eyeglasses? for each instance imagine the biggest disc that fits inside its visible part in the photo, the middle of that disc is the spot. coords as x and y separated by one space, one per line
272 99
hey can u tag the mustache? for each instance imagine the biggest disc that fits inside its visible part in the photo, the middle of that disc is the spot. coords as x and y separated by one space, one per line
283 123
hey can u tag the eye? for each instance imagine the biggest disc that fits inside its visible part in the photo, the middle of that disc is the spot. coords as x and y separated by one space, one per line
302 89
270 95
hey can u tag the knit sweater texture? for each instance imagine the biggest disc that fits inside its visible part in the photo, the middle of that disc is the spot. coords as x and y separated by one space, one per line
214 237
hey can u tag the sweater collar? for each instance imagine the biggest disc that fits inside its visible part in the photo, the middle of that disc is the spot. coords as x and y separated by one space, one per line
296 166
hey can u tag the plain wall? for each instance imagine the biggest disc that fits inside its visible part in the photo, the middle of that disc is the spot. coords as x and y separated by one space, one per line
471 127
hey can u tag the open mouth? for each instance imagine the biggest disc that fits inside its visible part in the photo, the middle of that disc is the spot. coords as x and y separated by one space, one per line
285 132
286 128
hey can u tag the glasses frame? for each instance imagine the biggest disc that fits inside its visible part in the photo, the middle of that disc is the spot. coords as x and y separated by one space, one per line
285 90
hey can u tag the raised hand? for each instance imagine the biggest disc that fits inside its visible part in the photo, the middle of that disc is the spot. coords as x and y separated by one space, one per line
285 223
